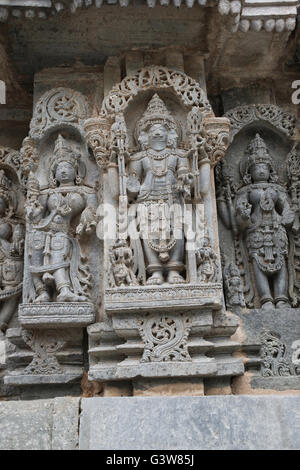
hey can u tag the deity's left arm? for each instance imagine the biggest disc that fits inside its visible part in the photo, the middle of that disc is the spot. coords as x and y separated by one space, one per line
287 213
183 168
243 209
88 218
135 171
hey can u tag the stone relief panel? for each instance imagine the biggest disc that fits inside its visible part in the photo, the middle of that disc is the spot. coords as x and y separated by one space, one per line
62 253
157 141
57 215
258 204
155 161
254 203
12 232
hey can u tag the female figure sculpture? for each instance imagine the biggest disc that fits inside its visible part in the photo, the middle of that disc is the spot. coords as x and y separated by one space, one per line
54 251
262 213
159 180
11 253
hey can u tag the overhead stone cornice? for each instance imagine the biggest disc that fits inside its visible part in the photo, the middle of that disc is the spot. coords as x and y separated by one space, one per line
255 15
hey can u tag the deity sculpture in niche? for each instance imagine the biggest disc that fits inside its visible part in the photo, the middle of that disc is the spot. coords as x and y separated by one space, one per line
159 182
260 213
11 250
121 259
207 262
233 286
58 216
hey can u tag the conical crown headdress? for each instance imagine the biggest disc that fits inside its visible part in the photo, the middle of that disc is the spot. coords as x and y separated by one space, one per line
156 113
64 152
258 152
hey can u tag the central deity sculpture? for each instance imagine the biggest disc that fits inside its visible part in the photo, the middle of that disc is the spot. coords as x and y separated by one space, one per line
159 181
55 257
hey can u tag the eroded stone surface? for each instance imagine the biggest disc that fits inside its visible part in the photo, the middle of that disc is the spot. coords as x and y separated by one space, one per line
214 423
39 424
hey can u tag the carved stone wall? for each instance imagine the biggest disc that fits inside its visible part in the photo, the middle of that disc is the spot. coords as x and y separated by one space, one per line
257 199
157 140
153 247
62 253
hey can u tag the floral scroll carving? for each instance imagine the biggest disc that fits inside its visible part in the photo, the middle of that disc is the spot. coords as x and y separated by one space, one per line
58 105
154 77
165 338
242 115
274 359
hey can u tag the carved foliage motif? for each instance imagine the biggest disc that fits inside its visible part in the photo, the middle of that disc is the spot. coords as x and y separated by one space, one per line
158 178
154 77
275 361
97 131
165 338
45 344
59 105
216 131
244 115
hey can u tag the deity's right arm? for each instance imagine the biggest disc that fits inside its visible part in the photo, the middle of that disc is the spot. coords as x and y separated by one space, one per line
243 210
36 208
135 172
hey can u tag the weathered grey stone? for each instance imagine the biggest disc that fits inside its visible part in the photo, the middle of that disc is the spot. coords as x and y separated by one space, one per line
39 424
65 423
56 315
206 423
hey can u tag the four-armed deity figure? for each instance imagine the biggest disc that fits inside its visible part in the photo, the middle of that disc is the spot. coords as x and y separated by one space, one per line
262 212
58 216
159 180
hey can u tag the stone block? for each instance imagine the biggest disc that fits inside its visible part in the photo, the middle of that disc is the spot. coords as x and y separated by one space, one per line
56 314
65 423
39 424
205 423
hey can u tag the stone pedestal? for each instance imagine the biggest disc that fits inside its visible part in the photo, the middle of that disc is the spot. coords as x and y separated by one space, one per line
48 349
168 335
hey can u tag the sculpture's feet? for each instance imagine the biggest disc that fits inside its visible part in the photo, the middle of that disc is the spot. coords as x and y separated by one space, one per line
48 279
282 304
175 278
43 297
156 279
66 295
267 306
